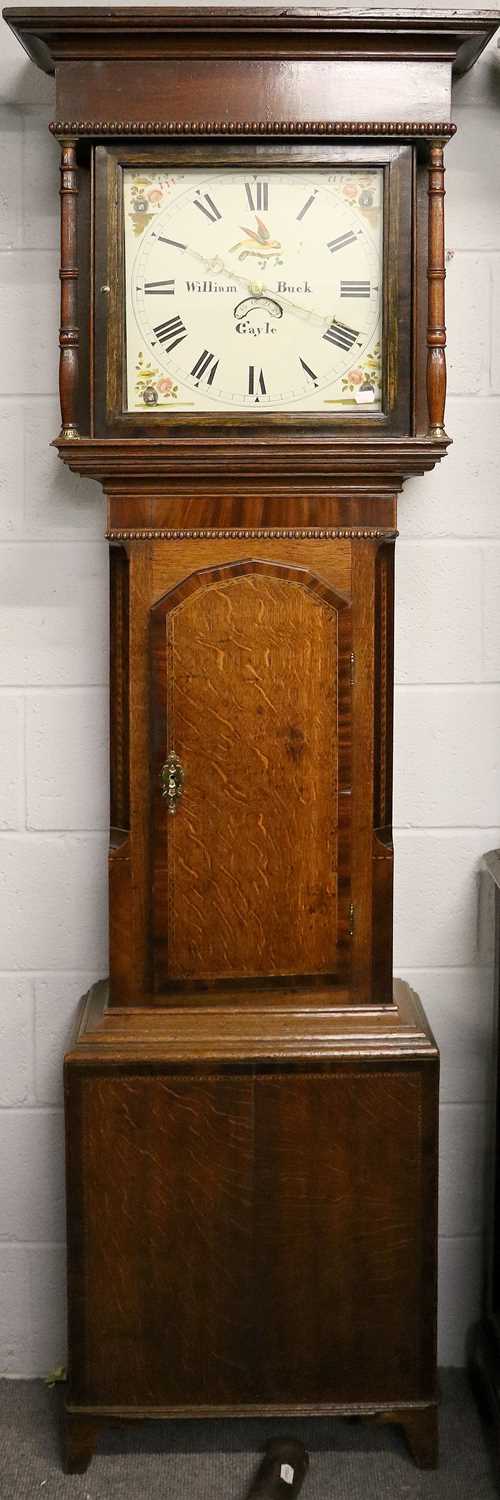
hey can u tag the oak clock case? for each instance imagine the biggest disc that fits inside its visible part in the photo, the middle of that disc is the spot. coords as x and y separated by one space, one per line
224 270
263 841
251 1101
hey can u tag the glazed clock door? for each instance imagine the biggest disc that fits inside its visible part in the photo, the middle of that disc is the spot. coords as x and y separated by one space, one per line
251 291
236 285
251 777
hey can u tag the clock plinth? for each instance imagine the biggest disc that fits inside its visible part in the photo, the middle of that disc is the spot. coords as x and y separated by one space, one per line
252 361
260 1155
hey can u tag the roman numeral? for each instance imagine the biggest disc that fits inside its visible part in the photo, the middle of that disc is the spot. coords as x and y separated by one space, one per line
175 243
355 288
308 371
160 288
203 364
341 241
342 336
307 206
208 207
258 196
171 333
254 386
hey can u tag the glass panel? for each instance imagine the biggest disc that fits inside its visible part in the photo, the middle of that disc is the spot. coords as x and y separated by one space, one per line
248 292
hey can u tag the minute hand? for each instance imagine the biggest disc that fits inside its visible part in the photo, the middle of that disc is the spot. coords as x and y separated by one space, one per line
309 313
218 267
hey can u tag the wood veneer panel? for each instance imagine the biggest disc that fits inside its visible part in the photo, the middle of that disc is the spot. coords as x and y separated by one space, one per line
261 1241
363 627
154 568
171 562
157 511
383 856
119 688
253 90
252 678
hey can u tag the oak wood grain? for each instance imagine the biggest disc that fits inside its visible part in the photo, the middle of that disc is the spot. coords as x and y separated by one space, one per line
156 568
348 566
252 1118
289 1293
297 1025
252 691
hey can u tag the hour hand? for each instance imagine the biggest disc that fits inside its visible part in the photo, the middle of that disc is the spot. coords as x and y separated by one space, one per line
213 264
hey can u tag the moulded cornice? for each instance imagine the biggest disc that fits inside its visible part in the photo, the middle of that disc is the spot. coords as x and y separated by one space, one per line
76 33
339 464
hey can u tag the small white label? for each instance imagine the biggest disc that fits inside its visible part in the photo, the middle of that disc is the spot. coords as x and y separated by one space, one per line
286 1473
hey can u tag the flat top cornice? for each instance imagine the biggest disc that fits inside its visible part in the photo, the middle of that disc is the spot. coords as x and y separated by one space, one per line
51 36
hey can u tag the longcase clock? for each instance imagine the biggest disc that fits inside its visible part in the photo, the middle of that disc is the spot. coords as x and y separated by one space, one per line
252 362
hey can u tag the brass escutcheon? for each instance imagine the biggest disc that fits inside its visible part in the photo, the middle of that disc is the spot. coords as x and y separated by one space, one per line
172 781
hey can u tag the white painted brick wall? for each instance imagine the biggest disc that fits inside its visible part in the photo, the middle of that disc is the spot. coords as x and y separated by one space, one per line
53 717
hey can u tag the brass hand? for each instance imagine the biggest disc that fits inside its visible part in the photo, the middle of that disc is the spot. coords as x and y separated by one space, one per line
310 313
218 267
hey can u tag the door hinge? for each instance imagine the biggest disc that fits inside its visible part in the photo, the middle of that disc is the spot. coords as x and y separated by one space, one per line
353 667
351 920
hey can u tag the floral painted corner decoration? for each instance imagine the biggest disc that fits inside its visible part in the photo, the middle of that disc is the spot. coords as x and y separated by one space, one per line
148 193
362 383
362 191
152 386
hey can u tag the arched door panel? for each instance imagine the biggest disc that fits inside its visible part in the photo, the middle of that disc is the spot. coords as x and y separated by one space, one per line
251 707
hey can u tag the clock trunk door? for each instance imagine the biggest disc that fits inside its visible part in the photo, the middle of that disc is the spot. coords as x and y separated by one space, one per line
251 777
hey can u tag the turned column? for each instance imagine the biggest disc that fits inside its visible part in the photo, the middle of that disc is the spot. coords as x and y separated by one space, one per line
69 335
436 274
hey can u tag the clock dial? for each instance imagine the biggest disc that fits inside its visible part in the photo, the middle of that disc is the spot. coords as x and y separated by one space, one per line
253 291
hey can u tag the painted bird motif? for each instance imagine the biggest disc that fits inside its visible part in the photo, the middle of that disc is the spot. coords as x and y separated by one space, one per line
259 244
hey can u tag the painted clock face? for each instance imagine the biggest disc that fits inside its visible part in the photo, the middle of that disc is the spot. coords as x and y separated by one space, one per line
253 292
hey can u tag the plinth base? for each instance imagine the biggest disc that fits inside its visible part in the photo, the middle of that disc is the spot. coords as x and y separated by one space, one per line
252 1215
419 1424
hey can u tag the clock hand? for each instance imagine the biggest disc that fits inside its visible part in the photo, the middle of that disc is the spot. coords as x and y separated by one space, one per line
309 313
260 288
218 267
215 265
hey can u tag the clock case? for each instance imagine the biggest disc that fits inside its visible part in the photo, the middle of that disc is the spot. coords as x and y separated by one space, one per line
252 1152
246 533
